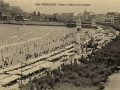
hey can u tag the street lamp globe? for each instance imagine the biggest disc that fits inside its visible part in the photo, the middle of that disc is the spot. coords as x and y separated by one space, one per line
78 25
78 28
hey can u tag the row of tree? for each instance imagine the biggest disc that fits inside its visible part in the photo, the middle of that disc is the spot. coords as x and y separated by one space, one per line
11 9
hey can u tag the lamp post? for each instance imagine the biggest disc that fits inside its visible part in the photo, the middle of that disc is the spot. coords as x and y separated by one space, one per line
21 71
78 27
39 69
93 23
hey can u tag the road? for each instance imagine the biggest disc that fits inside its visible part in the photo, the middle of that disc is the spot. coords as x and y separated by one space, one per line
114 82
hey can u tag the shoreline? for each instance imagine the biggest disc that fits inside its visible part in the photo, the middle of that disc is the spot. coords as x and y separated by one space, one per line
36 23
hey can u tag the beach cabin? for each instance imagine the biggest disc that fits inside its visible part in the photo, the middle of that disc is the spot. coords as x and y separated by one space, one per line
9 80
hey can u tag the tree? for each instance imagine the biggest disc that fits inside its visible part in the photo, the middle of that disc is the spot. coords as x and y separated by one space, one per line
4 6
16 9
32 86
1 4
35 79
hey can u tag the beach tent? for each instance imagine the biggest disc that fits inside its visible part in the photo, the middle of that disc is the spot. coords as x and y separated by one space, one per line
14 72
2 76
25 68
69 50
70 46
14 67
2 71
18 71
32 70
46 65
32 61
69 54
9 80
38 63
58 56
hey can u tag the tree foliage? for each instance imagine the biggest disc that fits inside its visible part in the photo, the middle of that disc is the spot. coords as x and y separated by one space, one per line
12 9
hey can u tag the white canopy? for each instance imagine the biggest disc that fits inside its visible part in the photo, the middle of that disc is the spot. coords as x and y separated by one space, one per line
9 79
69 46
31 70
2 76
46 65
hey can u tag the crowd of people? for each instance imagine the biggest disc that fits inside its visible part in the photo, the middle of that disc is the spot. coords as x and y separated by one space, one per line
24 46
27 43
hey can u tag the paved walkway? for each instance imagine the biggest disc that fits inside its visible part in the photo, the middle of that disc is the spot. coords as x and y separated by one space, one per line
114 82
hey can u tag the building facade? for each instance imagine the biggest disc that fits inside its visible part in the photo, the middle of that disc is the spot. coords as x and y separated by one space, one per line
110 17
117 18
0 15
99 18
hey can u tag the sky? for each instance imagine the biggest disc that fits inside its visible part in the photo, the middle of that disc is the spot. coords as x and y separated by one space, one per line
96 6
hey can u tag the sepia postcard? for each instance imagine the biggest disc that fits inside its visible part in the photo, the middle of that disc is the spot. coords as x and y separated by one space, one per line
59 45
